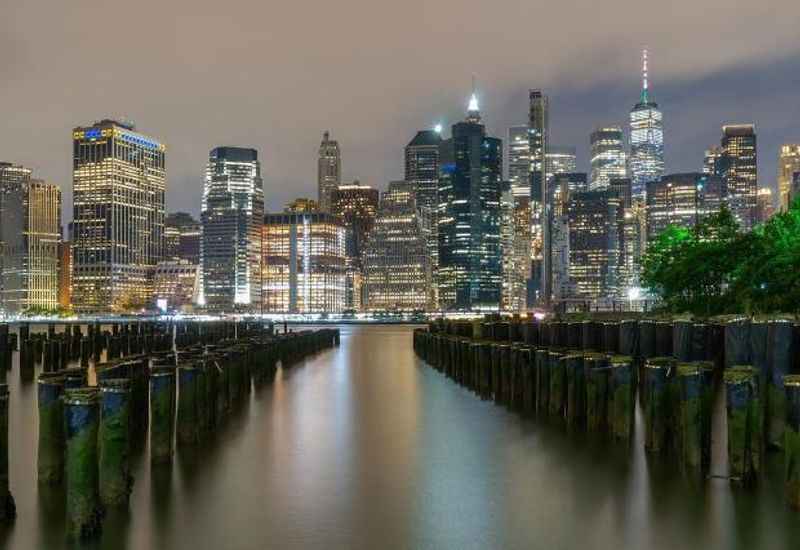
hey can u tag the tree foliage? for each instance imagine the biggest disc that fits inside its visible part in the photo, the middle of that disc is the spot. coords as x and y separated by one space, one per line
714 268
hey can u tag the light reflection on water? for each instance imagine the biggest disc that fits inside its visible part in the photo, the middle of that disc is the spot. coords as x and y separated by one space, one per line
363 446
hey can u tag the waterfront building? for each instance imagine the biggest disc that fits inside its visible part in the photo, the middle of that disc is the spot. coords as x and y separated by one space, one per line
608 157
231 218
30 234
176 284
397 268
594 219
304 263
329 170
118 184
788 166
422 173
738 166
182 238
682 200
356 205
647 140
538 142
470 269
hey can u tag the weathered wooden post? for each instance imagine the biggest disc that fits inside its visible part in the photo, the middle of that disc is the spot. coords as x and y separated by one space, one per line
51 428
8 509
189 421
81 414
576 390
781 352
597 390
658 409
682 340
162 412
621 397
558 384
791 447
745 421
114 441
542 373
690 421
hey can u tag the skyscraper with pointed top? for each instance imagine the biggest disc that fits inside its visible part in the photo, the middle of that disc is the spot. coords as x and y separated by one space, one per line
647 140
470 182
329 171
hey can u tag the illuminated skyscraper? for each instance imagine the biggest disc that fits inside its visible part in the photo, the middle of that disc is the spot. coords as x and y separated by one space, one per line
397 274
469 217
30 234
682 200
329 171
119 180
788 166
182 238
560 160
231 218
608 157
595 250
711 160
538 136
647 141
518 151
738 166
422 173
764 206
356 205
304 263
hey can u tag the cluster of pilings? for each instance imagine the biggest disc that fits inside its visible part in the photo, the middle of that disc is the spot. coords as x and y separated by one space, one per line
588 374
180 380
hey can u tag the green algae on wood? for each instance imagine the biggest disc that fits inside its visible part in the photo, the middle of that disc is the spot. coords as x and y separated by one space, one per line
81 420
745 421
50 456
8 510
791 446
114 441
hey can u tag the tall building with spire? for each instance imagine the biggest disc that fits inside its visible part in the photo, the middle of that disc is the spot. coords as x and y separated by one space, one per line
329 171
647 140
470 184
539 129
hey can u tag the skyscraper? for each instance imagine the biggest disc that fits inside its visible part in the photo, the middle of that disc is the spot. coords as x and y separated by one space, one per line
608 157
30 235
329 171
518 151
711 160
469 217
304 263
595 250
231 217
539 130
682 200
647 140
738 166
397 274
560 160
356 205
788 165
182 238
764 207
422 173
118 181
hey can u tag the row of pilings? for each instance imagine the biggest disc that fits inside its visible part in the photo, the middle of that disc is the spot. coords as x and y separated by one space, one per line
587 375
178 382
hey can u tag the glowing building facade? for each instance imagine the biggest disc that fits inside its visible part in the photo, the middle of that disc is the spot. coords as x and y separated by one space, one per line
329 171
470 182
176 284
788 166
231 219
182 238
397 270
304 263
682 200
118 183
608 157
518 161
356 205
647 141
738 166
538 136
30 235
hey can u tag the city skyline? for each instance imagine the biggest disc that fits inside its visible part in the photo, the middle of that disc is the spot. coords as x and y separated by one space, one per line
743 82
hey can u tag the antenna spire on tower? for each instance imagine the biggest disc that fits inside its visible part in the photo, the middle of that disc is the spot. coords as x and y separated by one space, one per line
644 76
473 109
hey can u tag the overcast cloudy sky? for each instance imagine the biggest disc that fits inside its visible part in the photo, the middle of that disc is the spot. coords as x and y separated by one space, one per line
273 75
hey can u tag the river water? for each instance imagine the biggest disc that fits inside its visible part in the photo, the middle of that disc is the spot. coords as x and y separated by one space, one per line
364 446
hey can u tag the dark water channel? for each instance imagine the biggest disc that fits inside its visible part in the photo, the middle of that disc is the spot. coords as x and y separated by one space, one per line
363 446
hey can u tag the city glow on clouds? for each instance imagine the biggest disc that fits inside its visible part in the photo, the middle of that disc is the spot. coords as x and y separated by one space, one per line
197 74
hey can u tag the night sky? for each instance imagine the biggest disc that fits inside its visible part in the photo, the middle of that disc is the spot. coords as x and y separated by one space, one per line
273 75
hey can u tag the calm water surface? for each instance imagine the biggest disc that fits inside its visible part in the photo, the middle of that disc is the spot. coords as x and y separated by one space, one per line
364 446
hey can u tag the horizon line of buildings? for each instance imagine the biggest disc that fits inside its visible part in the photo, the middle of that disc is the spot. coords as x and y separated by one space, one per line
458 233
